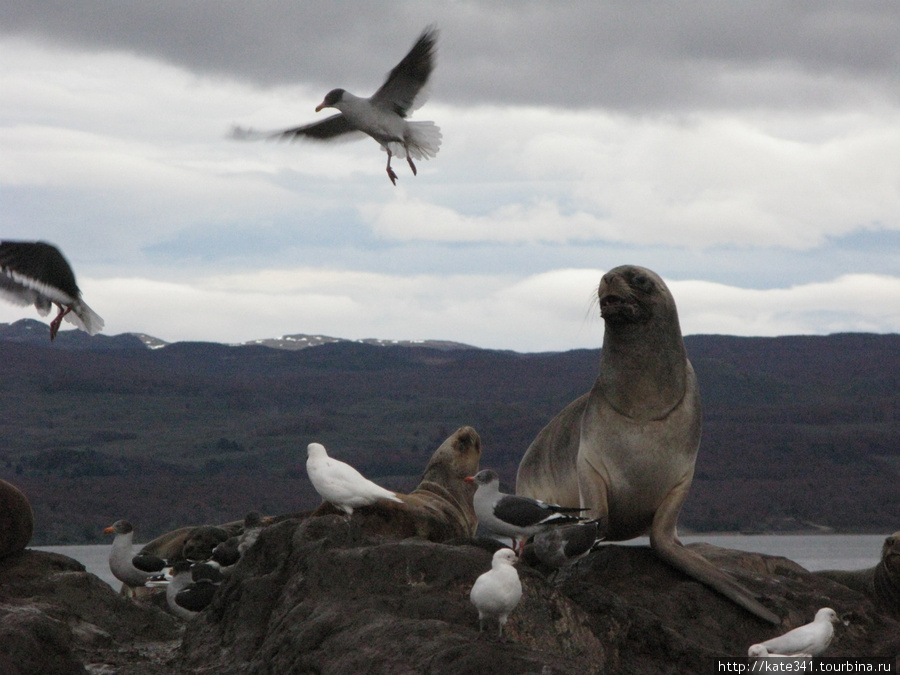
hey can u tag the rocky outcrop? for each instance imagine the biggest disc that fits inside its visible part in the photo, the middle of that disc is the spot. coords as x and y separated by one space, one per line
657 620
324 596
57 618
16 519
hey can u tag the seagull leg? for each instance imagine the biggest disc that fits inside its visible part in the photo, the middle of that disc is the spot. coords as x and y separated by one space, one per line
54 325
410 162
519 546
390 171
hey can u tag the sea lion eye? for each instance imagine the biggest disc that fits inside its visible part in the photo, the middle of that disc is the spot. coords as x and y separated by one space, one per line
642 282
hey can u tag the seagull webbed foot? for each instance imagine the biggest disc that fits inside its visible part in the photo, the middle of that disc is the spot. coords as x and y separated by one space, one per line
390 171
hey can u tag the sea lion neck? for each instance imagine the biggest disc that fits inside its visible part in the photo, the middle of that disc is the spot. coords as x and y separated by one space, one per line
643 364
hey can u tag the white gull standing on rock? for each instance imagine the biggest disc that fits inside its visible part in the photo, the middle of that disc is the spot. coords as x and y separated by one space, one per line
811 639
512 515
760 652
497 592
35 272
383 115
121 554
340 484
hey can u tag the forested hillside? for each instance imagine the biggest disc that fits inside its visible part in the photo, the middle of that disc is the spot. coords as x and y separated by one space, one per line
798 431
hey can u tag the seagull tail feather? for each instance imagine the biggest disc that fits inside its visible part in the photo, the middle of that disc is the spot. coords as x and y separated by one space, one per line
423 141
85 318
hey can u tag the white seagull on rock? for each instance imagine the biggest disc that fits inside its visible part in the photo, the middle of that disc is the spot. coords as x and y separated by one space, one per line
36 273
383 115
760 652
809 640
340 484
497 592
513 515
122 553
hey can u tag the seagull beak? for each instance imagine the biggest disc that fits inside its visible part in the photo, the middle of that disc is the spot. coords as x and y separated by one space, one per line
108 530
320 106
469 479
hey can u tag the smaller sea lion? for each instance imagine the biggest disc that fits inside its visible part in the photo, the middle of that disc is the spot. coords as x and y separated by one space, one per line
194 542
881 584
16 520
440 508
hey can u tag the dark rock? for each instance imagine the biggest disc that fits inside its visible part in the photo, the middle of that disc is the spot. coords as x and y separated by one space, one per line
16 519
324 596
402 605
56 618
655 619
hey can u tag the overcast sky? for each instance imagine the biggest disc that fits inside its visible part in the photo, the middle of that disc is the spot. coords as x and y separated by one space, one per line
748 152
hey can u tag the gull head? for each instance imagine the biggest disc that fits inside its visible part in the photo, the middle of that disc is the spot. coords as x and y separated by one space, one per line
332 98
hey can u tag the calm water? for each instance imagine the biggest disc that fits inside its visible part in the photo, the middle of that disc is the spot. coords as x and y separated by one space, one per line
814 552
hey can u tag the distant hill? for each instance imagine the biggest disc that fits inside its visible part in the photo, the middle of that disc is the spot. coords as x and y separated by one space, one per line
35 332
799 432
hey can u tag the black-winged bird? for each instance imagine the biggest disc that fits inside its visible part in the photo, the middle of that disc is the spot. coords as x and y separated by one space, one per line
35 272
383 115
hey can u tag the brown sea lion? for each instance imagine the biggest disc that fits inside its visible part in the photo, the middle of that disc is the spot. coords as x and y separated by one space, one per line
194 542
626 449
16 520
440 508
880 583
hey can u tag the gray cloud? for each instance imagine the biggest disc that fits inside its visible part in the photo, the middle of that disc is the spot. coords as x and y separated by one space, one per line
626 55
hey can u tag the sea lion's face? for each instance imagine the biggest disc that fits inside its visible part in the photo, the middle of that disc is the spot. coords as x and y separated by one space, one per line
890 554
467 449
631 294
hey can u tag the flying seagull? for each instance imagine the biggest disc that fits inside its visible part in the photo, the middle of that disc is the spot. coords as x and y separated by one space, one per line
513 515
341 484
383 115
497 591
35 272
812 638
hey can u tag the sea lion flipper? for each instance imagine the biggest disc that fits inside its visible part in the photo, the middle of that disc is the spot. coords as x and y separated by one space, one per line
665 544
